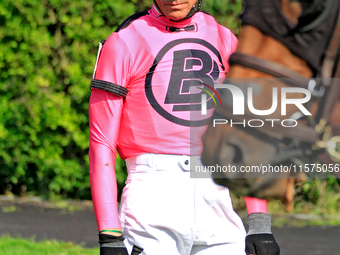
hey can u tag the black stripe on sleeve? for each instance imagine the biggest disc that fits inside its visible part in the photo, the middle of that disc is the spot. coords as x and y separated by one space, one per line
110 87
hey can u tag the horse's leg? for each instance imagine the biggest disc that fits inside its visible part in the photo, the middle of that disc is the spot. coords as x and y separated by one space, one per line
288 198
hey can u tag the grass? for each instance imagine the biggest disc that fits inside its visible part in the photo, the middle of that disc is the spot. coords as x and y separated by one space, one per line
19 246
304 214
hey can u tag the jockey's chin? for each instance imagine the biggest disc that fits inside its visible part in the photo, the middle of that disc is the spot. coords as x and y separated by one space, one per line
175 10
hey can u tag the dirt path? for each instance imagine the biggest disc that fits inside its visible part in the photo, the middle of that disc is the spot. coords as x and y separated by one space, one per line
76 223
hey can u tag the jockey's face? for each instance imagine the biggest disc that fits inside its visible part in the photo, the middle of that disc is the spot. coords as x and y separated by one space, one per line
175 9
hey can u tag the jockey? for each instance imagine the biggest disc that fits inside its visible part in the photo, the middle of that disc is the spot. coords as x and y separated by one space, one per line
145 103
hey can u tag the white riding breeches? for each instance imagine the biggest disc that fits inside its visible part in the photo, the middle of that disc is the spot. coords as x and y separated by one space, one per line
164 210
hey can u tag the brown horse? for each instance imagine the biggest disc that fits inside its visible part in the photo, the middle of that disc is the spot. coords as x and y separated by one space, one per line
269 47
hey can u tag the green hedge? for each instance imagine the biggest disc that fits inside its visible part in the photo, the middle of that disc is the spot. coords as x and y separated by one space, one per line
225 12
47 54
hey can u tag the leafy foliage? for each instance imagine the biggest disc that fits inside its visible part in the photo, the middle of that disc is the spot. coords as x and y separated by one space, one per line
319 196
48 50
225 12
47 54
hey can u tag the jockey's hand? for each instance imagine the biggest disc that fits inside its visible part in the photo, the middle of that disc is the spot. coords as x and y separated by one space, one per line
112 245
260 240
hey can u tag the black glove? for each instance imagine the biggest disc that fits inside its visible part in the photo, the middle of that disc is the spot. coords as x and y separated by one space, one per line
260 240
112 245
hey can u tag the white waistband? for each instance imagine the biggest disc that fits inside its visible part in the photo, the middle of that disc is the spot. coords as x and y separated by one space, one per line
164 161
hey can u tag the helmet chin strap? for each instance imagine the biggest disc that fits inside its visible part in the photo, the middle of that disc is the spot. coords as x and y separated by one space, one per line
190 14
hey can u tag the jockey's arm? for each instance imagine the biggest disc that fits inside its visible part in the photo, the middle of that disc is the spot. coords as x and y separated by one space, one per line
256 205
105 109
104 112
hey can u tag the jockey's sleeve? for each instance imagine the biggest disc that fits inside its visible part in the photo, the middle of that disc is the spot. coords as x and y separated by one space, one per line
105 110
256 205
104 115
